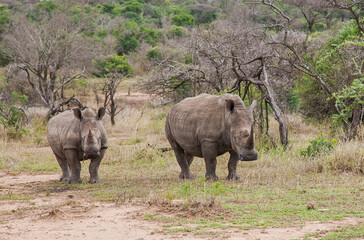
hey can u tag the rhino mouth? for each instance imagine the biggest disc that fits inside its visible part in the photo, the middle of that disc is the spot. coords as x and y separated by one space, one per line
251 156
94 154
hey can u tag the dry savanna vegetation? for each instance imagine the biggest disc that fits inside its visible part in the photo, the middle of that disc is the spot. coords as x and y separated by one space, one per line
302 60
284 188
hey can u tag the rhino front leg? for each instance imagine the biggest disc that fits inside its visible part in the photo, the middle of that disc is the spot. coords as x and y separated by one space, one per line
209 155
75 165
94 167
65 169
233 162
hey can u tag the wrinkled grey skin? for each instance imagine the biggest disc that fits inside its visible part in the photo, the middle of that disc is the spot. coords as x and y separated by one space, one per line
208 126
76 135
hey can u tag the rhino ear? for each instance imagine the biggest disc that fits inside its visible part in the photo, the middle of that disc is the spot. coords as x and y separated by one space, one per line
78 114
253 105
101 113
230 105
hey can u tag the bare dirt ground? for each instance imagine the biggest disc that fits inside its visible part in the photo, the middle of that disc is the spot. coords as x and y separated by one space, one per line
66 214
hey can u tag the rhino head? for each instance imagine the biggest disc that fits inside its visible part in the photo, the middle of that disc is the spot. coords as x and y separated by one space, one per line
89 132
239 122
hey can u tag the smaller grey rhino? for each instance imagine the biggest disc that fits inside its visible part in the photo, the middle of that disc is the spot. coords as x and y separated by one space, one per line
76 135
208 126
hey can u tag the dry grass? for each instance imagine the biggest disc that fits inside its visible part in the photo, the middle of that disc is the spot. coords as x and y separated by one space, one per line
274 190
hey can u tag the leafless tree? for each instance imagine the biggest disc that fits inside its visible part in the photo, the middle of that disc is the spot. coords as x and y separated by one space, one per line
51 53
228 56
109 90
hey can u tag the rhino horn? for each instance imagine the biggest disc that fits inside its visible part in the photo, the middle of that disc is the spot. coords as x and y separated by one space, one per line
90 138
250 141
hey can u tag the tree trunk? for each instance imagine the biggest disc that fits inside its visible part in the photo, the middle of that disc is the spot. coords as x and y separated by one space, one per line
261 115
112 111
266 116
283 131
357 113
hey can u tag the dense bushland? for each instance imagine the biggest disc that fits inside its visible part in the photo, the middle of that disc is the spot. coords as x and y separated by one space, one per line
301 57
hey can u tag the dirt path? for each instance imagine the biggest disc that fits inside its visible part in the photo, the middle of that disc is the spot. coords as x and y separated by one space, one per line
67 215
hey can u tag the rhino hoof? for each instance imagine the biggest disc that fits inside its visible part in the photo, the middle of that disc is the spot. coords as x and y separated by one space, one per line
212 177
234 177
64 179
74 182
185 176
92 181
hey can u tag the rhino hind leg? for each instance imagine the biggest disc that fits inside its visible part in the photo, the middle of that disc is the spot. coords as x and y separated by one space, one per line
188 158
233 162
65 169
74 165
183 161
94 168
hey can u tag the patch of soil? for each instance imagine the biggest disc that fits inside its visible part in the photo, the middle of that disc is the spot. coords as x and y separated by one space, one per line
20 179
135 100
66 214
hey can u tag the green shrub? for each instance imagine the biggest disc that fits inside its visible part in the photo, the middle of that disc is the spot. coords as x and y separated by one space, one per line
4 18
318 146
176 31
131 25
312 99
151 36
292 99
127 44
183 19
106 7
154 54
204 14
350 97
319 27
12 115
133 6
113 64
47 7
101 34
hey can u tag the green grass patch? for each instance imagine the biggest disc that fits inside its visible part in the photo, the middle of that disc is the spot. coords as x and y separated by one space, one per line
29 161
347 232
133 141
12 196
174 230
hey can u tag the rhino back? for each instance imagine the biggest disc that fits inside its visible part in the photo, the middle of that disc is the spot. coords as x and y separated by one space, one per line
63 132
195 120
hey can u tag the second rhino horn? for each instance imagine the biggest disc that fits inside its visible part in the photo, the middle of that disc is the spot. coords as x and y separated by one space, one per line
90 138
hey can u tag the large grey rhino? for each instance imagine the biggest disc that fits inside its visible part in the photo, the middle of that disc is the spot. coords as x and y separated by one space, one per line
76 135
208 126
